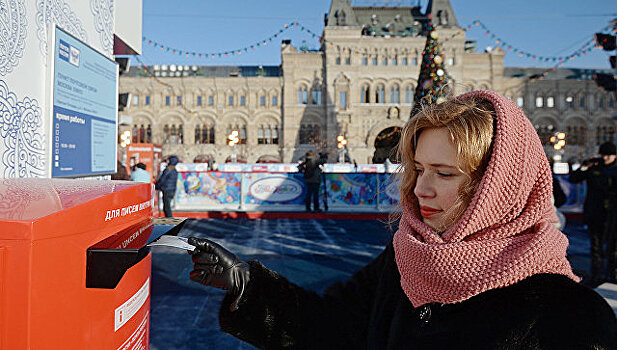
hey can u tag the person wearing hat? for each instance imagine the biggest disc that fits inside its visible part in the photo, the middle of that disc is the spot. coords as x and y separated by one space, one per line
599 174
167 184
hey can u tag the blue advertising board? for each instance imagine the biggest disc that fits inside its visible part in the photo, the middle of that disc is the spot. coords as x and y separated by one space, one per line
84 109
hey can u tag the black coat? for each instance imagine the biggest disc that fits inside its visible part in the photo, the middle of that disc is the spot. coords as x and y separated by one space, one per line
371 311
601 187
311 170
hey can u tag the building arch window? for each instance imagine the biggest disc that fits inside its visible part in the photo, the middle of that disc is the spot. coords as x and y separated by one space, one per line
364 60
569 101
348 58
384 61
267 135
545 130
262 100
539 101
309 134
141 133
395 94
380 94
601 102
364 94
581 102
211 100
302 95
241 129
520 101
337 60
204 133
550 102
275 100
242 100
409 94
394 60
316 95
576 132
374 60
173 134
605 132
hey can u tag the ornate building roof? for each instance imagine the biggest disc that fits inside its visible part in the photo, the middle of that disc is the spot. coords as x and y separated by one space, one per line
390 20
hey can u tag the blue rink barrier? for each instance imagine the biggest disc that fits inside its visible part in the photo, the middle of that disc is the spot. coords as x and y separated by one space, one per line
279 187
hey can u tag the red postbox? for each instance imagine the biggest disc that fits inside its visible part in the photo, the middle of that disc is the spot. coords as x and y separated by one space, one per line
74 266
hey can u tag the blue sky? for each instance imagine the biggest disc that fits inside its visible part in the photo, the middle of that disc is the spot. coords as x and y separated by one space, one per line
540 27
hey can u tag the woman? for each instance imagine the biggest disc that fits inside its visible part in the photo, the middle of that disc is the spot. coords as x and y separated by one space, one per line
476 263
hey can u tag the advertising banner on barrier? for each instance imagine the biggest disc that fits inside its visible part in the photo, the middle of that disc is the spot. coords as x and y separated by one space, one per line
273 190
200 190
352 190
208 190
388 191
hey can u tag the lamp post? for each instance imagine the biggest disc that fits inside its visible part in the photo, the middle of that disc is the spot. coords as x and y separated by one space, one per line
341 145
559 142
232 141
125 138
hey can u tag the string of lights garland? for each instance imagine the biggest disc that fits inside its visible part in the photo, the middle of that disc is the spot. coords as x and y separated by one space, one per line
582 51
220 54
585 48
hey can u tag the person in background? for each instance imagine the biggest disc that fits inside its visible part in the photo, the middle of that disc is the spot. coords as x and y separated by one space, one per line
121 173
476 262
140 174
311 170
167 183
599 202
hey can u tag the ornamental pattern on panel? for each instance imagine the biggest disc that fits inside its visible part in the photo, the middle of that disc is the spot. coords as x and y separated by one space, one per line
13 25
20 129
14 200
60 13
103 12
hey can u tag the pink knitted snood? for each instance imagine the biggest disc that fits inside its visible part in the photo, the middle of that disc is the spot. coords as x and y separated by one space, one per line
503 237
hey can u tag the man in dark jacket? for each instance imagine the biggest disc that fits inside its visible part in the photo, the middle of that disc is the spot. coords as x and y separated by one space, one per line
167 184
598 203
312 176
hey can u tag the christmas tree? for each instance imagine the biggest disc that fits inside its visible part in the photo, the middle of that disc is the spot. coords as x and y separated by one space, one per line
433 80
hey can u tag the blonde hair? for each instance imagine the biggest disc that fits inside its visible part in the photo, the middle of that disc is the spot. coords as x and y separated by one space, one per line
470 123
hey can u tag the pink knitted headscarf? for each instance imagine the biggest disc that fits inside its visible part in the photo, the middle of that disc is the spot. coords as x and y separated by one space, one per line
504 236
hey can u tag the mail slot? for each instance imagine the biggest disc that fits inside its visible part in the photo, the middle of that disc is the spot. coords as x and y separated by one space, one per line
75 272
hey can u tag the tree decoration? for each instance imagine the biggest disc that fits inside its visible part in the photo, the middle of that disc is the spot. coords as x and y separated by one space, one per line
433 80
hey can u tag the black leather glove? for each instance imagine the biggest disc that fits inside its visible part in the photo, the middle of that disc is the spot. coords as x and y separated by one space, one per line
217 267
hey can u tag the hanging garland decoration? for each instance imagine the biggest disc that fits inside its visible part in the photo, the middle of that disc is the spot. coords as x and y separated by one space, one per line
587 47
218 54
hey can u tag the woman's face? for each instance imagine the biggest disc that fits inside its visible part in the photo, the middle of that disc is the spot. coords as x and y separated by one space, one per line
438 179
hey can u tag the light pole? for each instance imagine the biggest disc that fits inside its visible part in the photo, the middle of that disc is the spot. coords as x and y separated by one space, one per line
559 142
342 142
232 141
126 138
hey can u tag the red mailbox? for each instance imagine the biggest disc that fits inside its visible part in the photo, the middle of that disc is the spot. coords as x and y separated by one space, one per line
74 266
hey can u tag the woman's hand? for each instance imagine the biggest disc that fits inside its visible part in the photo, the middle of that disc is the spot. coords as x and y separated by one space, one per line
217 267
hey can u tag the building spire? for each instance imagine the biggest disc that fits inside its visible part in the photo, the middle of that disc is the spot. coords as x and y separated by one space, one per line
443 15
341 14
